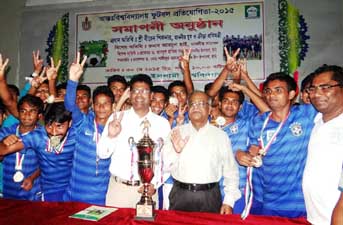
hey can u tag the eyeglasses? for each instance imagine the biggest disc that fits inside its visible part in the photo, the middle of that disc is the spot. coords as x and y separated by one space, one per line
198 104
323 87
140 91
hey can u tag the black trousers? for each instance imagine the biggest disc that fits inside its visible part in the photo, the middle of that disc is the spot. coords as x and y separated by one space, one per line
195 201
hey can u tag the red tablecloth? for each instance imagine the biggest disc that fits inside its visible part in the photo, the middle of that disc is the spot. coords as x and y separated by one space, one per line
13 212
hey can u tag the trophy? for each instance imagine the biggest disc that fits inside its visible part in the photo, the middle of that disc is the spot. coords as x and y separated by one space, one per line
145 147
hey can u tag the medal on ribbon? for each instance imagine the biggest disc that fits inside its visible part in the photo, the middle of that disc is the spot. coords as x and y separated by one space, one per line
18 175
54 141
56 144
258 161
96 138
264 147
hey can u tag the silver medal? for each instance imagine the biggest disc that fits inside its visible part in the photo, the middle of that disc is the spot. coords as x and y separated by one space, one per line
262 152
55 141
257 161
18 176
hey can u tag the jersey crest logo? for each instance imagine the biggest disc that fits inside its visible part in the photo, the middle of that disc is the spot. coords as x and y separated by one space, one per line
296 129
89 132
234 129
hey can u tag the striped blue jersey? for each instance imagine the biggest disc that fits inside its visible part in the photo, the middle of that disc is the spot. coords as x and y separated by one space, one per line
176 113
13 189
247 111
55 168
277 183
90 175
238 135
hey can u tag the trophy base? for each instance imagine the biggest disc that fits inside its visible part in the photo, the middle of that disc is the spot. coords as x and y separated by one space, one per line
145 212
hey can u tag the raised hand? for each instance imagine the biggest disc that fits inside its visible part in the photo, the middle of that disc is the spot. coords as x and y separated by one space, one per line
37 62
51 71
235 86
243 63
184 58
170 110
76 68
236 74
38 80
177 140
121 106
231 62
126 94
181 114
114 127
3 65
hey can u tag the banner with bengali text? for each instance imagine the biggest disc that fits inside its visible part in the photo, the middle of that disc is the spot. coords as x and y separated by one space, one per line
150 41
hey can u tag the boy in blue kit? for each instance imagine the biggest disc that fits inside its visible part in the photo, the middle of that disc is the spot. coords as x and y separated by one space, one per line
278 151
21 170
54 147
90 175
236 125
230 103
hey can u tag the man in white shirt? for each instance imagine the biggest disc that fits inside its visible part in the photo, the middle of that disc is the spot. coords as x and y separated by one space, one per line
337 215
325 155
125 181
198 154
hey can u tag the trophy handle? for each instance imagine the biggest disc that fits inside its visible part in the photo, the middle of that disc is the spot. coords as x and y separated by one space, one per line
160 144
131 142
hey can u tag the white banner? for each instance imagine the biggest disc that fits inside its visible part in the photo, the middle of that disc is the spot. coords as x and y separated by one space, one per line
150 41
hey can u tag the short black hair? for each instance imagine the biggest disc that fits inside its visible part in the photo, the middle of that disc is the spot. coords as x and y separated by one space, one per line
337 72
14 88
56 112
117 78
141 78
176 83
103 90
160 89
61 86
208 86
33 101
45 82
84 87
225 90
291 84
306 82
2 108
